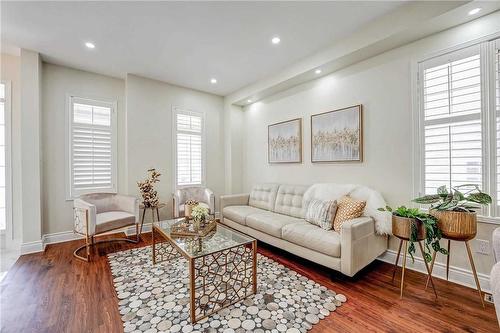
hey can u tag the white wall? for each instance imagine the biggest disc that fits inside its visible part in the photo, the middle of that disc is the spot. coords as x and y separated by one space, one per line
31 76
11 71
144 134
57 83
149 133
383 85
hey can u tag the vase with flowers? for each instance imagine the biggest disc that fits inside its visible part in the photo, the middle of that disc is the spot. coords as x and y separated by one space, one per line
199 215
148 192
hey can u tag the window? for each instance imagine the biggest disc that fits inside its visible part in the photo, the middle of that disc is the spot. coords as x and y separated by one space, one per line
456 143
189 148
4 154
92 151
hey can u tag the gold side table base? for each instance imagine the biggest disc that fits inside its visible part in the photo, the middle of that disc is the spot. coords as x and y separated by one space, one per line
473 267
404 243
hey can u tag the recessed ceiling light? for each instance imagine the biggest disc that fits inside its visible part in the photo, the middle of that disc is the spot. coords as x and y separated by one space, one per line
213 81
249 101
276 40
474 11
90 45
318 71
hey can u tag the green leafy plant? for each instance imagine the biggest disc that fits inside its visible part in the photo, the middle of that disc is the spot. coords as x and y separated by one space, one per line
199 213
433 234
455 200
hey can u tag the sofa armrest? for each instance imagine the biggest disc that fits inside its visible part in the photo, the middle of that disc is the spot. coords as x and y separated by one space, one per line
210 200
357 228
360 245
233 200
176 199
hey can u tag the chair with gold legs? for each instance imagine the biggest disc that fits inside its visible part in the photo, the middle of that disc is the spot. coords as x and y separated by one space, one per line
99 213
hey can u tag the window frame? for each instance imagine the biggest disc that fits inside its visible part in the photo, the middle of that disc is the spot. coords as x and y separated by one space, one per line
72 194
488 121
180 110
8 232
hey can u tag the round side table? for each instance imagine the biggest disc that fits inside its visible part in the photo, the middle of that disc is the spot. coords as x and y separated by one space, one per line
153 210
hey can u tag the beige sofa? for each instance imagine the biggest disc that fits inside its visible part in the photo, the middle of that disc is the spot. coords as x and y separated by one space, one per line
274 214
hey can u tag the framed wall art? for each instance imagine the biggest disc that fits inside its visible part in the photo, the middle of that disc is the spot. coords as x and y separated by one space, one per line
337 136
284 143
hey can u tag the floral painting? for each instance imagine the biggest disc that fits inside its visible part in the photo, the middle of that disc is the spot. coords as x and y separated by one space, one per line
336 136
285 142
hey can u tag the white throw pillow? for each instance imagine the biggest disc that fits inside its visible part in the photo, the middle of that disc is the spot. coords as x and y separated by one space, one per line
321 213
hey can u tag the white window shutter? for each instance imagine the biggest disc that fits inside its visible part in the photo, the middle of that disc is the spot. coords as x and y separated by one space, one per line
92 147
189 138
497 115
452 120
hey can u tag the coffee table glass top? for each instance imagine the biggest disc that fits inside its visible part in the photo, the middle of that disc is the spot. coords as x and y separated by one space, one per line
222 238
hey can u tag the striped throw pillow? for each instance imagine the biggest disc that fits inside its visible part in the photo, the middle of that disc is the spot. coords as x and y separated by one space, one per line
321 213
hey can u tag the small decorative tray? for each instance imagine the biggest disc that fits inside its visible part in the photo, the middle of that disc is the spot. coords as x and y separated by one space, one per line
185 228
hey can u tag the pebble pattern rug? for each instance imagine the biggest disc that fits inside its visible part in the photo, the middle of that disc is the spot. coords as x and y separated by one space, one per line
156 298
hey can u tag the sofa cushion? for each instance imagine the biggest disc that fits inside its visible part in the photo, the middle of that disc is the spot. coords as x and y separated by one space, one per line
270 223
321 213
347 209
313 238
263 196
239 213
289 200
113 220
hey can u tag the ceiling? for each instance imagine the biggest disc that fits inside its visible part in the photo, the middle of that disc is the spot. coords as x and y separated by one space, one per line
184 43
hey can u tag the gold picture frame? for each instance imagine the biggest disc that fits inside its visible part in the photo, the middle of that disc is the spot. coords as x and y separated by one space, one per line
289 132
344 125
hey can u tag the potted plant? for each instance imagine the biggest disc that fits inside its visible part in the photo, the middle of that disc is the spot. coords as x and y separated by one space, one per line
413 225
199 215
148 192
456 211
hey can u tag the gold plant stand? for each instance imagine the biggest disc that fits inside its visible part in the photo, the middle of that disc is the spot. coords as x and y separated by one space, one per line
401 228
460 227
471 260
154 209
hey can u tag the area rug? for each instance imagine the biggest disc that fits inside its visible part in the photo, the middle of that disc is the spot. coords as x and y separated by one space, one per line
156 298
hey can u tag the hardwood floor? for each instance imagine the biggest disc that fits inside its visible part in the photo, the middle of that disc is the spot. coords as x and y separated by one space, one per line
54 292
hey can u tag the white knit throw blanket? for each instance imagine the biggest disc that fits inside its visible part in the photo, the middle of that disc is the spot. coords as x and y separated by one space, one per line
374 200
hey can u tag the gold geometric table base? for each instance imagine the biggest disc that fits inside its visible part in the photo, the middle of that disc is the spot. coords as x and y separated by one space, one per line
216 280
429 272
471 260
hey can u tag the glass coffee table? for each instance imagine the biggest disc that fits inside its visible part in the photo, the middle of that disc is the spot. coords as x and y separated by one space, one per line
222 265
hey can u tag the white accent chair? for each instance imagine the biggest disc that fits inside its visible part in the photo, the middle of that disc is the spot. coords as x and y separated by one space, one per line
97 213
203 195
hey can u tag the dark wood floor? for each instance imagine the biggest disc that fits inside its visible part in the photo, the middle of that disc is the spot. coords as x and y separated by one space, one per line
54 292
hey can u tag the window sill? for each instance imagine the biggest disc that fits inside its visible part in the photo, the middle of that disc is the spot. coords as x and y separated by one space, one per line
481 218
489 220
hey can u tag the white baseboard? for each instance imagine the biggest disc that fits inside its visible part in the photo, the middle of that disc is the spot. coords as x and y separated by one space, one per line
457 275
60 237
31 247
67 236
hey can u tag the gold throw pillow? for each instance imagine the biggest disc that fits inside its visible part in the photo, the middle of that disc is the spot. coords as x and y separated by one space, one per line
347 209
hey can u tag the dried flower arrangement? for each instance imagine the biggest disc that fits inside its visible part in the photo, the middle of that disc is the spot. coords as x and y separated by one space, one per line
149 194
